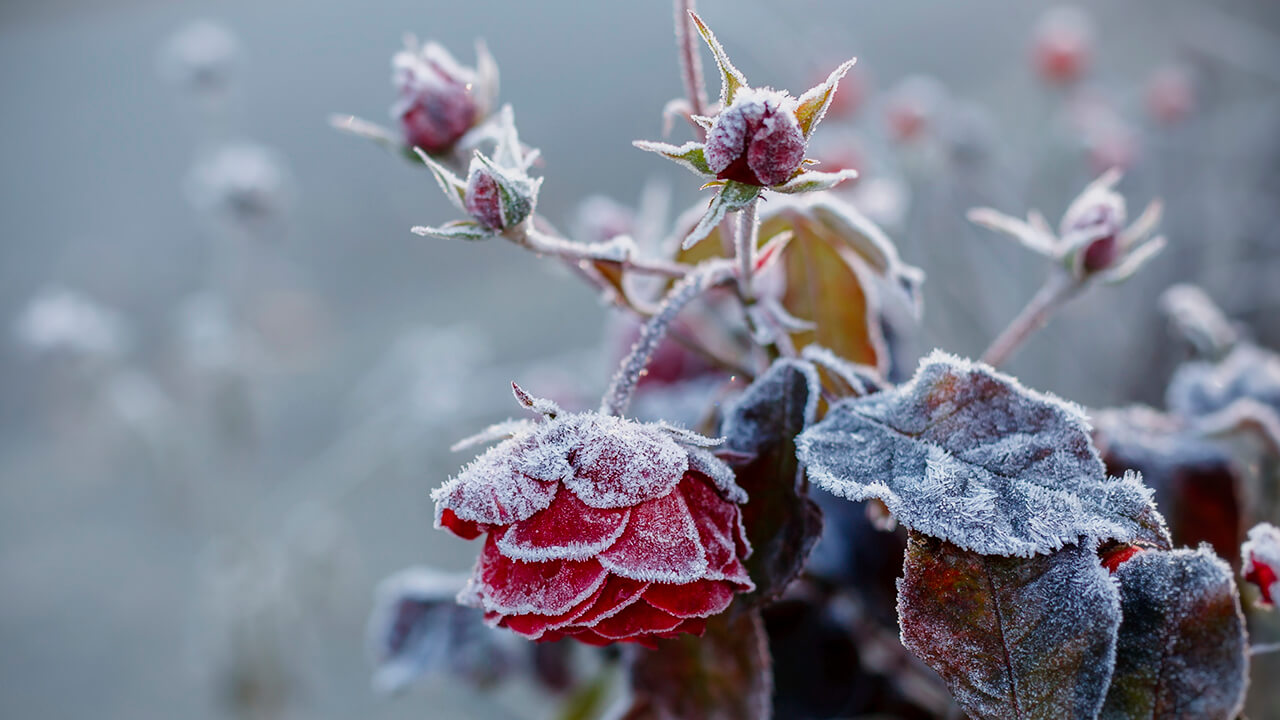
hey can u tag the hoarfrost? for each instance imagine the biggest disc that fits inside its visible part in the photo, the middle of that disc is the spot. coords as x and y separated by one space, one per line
1182 645
968 455
1260 557
1013 637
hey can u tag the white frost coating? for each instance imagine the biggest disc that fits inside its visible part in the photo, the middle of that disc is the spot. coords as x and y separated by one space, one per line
619 463
495 432
719 472
863 379
1201 388
747 427
967 454
1262 548
510 482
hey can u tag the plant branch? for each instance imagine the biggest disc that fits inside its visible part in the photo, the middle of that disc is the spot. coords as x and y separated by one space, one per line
690 64
528 236
1056 291
747 239
706 276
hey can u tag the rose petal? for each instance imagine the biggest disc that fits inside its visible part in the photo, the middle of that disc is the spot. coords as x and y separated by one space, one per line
512 587
592 638
618 593
693 626
718 472
512 481
465 529
535 626
717 520
701 599
619 463
567 530
636 619
660 544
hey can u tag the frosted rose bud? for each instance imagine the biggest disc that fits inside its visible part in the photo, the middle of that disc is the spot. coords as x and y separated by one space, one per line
601 529
1101 221
1062 45
757 139
437 103
1261 556
495 198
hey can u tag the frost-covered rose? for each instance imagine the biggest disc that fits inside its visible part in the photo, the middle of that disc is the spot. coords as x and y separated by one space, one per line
439 99
1261 556
599 528
757 140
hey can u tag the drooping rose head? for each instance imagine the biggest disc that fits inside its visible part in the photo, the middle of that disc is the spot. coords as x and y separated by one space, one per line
757 139
599 528
439 100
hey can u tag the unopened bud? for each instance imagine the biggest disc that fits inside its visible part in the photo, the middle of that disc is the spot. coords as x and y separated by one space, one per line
756 140
438 102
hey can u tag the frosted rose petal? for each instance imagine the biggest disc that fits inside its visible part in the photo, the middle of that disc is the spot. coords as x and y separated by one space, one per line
618 593
544 588
700 599
619 464
535 626
567 530
636 619
510 482
660 544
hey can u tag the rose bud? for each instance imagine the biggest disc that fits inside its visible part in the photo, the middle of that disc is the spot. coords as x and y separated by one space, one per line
496 198
756 140
1261 556
440 100
598 528
1062 45
912 106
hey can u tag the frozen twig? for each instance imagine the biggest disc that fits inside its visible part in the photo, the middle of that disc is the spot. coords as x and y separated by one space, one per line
690 64
1057 290
617 250
747 239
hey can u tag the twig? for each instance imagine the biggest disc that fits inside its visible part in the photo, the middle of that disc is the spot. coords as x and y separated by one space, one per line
1059 288
707 275
747 239
542 243
690 64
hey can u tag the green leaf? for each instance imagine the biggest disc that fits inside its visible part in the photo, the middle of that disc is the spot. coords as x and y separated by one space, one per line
782 523
733 196
814 102
689 156
723 675
1182 650
456 230
732 79
813 181
1013 637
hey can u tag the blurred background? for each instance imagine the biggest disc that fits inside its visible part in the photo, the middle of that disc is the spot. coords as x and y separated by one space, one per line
230 374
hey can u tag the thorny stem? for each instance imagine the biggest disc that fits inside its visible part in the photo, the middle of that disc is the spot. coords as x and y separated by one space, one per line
1058 289
747 239
706 276
690 64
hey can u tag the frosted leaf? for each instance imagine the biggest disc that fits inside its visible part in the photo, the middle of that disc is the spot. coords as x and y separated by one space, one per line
1260 560
813 104
861 379
1182 645
1013 637
541 406
966 454
660 544
619 463
781 522
417 628
1248 371
510 482
454 230
493 433
688 437
1195 318
733 196
732 79
814 181
689 156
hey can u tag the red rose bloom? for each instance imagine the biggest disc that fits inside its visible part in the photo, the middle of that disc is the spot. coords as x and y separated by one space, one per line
601 529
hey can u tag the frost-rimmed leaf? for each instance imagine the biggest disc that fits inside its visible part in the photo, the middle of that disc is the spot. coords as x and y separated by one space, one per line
813 181
968 455
732 80
689 156
1013 637
454 187
814 102
1182 649
373 132
455 230
723 675
782 523
733 196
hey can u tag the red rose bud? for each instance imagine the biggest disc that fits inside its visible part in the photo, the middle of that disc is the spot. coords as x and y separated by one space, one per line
1113 558
1261 556
601 529
497 198
438 102
1094 223
756 140
1062 45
